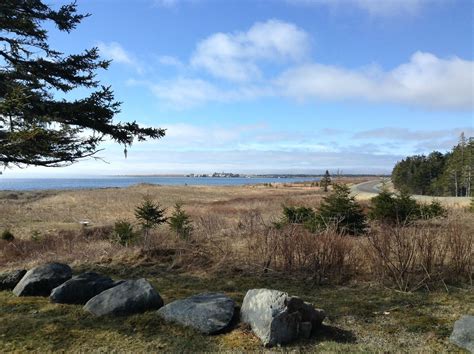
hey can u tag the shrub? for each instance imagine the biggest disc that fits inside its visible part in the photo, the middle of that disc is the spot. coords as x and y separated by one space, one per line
407 209
7 236
421 256
340 210
383 207
180 222
401 209
433 210
124 233
150 215
297 215
326 256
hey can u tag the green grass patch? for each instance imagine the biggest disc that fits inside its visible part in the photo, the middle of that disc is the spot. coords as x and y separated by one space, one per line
360 318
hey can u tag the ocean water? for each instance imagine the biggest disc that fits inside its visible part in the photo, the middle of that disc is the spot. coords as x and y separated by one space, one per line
24 184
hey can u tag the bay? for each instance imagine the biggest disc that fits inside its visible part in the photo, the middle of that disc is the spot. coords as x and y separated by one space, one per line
24 184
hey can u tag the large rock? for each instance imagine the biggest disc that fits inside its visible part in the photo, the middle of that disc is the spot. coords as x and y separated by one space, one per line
277 318
131 296
463 333
81 288
208 313
9 280
41 280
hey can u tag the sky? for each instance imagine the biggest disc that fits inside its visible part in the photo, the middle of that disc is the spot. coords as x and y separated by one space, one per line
278 86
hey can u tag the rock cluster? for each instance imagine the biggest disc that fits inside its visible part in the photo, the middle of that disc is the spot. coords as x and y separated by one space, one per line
274 316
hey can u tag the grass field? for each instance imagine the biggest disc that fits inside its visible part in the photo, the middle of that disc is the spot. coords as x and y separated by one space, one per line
361 317
364 312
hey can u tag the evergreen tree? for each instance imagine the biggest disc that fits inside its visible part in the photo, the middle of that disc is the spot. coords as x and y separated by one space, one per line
150 215
341 209
37 127
438 174
326 181
383 207
180 222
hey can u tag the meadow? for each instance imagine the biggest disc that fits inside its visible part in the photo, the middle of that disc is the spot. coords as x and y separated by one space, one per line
394 288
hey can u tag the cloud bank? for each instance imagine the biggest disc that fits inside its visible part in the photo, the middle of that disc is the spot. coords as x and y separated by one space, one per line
424 81
272 59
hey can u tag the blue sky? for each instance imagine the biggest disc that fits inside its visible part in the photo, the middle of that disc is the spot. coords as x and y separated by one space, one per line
280 85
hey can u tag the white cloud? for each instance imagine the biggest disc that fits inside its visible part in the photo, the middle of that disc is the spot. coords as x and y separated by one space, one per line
115 52
426 81
184 92
185 135
234 56
373 7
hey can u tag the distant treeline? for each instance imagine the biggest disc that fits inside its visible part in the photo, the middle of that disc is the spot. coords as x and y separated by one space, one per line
438 174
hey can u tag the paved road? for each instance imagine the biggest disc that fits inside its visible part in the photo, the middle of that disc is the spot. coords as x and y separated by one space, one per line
368 190
368 187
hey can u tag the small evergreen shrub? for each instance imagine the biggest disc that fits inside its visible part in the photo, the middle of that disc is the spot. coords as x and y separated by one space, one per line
7 236
124 233
432 210
401 209
297 215
150 214
340 210
383 207
407 209
180 222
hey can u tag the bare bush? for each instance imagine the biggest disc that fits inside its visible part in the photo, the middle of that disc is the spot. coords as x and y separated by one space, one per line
326 257
88 245
421 255
460 245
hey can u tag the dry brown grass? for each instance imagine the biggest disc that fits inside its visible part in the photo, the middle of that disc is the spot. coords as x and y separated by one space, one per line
235 247
54 211
234 232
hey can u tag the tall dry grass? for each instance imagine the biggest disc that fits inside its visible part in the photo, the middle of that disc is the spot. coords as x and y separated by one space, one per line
422 255
234 232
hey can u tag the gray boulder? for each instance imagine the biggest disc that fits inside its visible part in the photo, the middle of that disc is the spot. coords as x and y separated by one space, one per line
277 318
41 280
81 288
131 296
207 313
9 280
463 333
